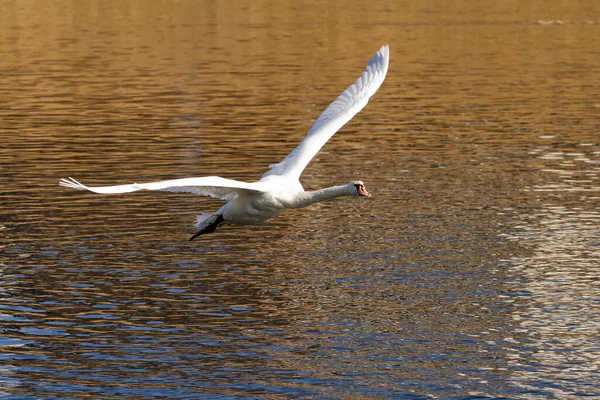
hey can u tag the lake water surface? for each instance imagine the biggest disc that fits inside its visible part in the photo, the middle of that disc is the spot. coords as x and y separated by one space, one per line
472 272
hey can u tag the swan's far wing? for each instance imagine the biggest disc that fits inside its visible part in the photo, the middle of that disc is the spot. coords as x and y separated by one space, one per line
213 186
346 106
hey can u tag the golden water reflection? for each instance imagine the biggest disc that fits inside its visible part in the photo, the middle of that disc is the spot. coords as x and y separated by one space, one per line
561 274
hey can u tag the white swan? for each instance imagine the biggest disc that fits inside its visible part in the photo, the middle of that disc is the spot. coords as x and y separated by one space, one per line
279 188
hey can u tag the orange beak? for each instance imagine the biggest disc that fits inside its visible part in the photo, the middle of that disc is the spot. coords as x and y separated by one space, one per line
363 192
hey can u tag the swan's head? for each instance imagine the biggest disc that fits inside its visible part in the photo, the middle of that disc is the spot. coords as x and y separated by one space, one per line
360 190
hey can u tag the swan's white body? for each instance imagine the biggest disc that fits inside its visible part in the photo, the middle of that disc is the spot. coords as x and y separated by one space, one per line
279 188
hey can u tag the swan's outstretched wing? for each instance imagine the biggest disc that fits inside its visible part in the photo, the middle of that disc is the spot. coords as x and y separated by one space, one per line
213 186
346 106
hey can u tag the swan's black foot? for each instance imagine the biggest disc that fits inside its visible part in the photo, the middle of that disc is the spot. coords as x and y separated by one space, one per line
211 225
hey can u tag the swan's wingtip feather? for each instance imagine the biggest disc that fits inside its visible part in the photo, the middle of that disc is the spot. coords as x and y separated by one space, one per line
72 183
383 57
384 51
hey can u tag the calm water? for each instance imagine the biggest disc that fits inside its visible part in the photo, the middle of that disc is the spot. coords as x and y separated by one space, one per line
472 272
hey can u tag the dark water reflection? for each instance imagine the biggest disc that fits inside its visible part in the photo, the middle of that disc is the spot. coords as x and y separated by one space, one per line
472 271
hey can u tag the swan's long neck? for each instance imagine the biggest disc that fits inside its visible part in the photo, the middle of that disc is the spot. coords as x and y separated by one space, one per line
305 199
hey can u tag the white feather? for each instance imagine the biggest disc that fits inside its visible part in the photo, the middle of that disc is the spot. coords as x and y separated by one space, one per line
340 111
213 186
202 218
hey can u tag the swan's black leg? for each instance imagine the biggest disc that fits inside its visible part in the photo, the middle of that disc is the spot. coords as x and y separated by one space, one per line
209 228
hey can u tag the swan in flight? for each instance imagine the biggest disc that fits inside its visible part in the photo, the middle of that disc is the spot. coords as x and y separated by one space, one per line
279 188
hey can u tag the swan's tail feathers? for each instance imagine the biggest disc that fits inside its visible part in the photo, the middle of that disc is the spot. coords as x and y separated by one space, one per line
202 219
207 223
